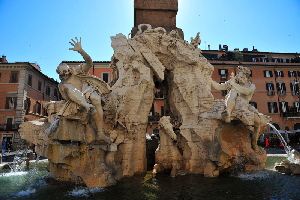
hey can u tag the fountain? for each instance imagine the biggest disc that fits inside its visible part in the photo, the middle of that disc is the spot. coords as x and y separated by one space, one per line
101 137
292 165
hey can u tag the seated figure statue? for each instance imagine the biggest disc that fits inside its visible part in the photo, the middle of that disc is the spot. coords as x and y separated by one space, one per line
241 90
80 89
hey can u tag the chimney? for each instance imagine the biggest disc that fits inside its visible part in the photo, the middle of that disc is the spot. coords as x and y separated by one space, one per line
245 49
225 47
3 59
220 47
208 47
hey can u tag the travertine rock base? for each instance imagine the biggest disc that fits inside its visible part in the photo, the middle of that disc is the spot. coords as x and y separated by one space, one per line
193 136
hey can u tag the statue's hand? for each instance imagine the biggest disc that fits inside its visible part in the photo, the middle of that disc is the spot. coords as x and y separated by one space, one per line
76 44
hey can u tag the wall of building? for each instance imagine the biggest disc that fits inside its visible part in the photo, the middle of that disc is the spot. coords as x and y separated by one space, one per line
21 90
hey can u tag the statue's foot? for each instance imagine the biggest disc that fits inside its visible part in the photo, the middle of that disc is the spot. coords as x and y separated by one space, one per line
226 116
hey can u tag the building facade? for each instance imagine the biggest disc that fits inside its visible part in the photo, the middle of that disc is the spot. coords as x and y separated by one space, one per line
24 91
275 75
100 69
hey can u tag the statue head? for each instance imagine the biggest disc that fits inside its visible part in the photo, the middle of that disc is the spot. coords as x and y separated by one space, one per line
63 69
245 70
243 75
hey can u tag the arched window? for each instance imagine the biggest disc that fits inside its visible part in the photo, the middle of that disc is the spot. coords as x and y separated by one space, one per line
276 126
296 126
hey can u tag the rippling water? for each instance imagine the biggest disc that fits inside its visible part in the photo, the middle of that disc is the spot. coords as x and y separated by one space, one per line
265 184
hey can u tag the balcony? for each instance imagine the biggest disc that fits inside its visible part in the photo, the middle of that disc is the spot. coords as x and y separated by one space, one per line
153 118
295 93
271 92
292 115
281 93
9 127
159 95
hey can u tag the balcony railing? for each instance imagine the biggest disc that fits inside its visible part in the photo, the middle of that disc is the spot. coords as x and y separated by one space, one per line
9 127
281 93
271 92
291 115
159 95
153 118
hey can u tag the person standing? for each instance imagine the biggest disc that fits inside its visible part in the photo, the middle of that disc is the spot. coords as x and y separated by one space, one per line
4 148
267 142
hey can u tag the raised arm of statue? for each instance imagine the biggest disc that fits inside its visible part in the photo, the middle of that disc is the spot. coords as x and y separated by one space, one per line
220 86
246 90
88 60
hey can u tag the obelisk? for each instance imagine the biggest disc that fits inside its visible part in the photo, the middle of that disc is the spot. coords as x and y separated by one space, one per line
157 13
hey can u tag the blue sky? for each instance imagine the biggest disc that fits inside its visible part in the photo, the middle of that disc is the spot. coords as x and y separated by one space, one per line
39 31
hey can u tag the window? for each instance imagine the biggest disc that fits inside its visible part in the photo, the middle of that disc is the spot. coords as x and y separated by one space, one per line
162 110
55 92
254 104
45 113
286 128
281 89
14 77
297 126
11 103
292 73
9 123
105 77
270 88
272 107
39 86
276 126
37 108
294 89
27 105
223 73
283 106
29 80
159 95
268 73
297 106
263 60
279 73
48 90
223 92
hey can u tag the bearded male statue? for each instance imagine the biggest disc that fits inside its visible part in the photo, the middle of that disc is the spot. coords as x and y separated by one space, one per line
82 90
241 90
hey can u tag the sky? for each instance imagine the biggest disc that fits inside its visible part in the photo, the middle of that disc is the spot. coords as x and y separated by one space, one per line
39 31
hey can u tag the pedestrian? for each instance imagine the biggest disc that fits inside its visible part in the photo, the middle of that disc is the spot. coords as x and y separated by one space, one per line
9 146
4 148
267 142
281 145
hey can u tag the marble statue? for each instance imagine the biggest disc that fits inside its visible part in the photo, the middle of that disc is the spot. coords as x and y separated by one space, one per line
196 41
240 91
199 134
79 88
